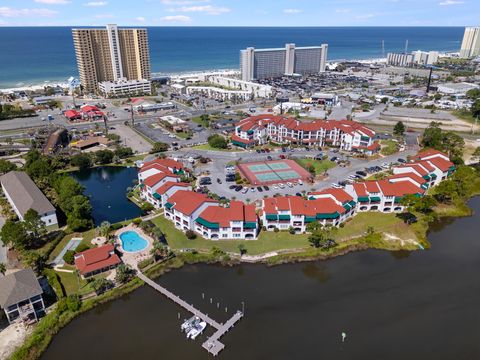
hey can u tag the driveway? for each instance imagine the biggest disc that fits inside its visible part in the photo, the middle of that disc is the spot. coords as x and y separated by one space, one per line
219 159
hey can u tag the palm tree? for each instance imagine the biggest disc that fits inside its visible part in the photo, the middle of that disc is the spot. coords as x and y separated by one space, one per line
159 250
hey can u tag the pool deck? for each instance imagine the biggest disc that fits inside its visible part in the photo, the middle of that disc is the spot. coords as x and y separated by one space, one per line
133 258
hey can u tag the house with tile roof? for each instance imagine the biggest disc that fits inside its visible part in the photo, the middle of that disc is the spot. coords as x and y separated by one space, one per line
184 207
345 134
167 190
149 187
21 296
236 221
97 260
156 166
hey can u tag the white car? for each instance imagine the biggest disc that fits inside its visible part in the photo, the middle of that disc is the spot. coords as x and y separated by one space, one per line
300 182
171 136
281 186
245 190
289 184
252 189
275 186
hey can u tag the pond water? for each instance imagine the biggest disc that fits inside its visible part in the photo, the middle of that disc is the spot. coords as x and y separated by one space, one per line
419 305
106 187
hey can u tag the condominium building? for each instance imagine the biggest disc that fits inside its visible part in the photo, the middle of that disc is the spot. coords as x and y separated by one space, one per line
257 64
471 42
345 134
415 58
111 55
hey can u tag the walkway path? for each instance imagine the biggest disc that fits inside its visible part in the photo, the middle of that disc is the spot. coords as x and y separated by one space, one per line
71 245
212 344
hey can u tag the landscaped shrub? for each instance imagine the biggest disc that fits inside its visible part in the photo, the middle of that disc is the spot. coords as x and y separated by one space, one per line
54 281
82 247
276 229
137 221
146 207
291 230
74 302
116 226
69 257
190 234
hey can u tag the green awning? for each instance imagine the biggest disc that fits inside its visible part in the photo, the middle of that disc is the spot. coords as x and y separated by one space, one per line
375 198
433 176
311 198
363 198
238 143
364 138
352 203
452 168
309 219
347 206
142 185
424 186
283 217
426 177
249 225
397 199
207 224
328 216
418 195
157 196
168 205
271 217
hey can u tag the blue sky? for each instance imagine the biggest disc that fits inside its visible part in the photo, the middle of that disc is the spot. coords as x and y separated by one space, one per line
240 12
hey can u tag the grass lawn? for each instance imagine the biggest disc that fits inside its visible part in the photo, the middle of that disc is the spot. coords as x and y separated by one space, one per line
208 147
389 147
199 120
465 115
268 241
382 223
183 135
320 165
74 284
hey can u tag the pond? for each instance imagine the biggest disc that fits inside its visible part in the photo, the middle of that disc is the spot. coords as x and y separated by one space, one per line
419 305
106 187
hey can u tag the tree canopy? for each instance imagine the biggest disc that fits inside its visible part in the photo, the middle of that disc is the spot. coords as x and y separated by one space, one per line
217 141
447 141
399 129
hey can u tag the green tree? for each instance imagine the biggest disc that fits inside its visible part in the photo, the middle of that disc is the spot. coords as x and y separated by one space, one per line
190 234
73 302
3 268
453 145
83 161
103 156
217 141
322 237
123 152
6 166
475 109
33 260
14 234
432 136
104 228
205 120
425 204
159 251
34 224
446 191
399 129
100 285
69 257
159 147
473 94
242 249
124 274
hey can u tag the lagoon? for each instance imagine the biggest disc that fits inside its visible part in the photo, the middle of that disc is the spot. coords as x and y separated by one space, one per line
106 186
399 305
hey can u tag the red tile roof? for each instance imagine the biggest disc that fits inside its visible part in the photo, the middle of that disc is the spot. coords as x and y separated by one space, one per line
155 179
168 185
244 141
187 201
166 162
71 114
441 163
237 211
429 152
96 259
299 206
411 175
400 188
339 194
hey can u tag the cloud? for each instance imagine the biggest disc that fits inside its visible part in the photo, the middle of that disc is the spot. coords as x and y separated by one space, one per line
364 16
13 13
176 18
53 2
292 11
342 11
183 2
207 9
450 2
140 19
95 3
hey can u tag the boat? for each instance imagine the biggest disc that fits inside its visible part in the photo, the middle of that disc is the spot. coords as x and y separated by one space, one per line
196 330
189 324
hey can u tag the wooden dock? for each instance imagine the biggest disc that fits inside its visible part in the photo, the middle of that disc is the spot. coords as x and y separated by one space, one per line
212 344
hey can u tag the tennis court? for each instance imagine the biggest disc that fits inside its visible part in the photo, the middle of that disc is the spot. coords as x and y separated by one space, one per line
271 172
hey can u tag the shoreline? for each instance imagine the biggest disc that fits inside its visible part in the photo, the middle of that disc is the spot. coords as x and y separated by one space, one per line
21 86
38 341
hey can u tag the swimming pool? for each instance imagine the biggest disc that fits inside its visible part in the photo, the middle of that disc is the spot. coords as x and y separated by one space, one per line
132 241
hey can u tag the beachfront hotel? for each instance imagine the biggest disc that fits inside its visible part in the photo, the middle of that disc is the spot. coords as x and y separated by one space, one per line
119 57
257 64
471 42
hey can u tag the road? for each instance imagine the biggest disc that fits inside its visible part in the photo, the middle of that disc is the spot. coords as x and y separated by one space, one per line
219 160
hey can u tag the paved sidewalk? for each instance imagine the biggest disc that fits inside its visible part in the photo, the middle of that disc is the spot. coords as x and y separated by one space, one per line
71 245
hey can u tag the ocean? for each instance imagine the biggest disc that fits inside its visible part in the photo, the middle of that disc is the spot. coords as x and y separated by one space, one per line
34 55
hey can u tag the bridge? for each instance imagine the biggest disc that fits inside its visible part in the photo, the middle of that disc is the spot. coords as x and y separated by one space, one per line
212 344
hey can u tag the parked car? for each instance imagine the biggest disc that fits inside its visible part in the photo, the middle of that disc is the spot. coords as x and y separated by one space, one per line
281 186
282 156
245 190
298 194
269 157
252 189
238 188
334 158
266 188
259 188
361 173
219 181
400 160
231 187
